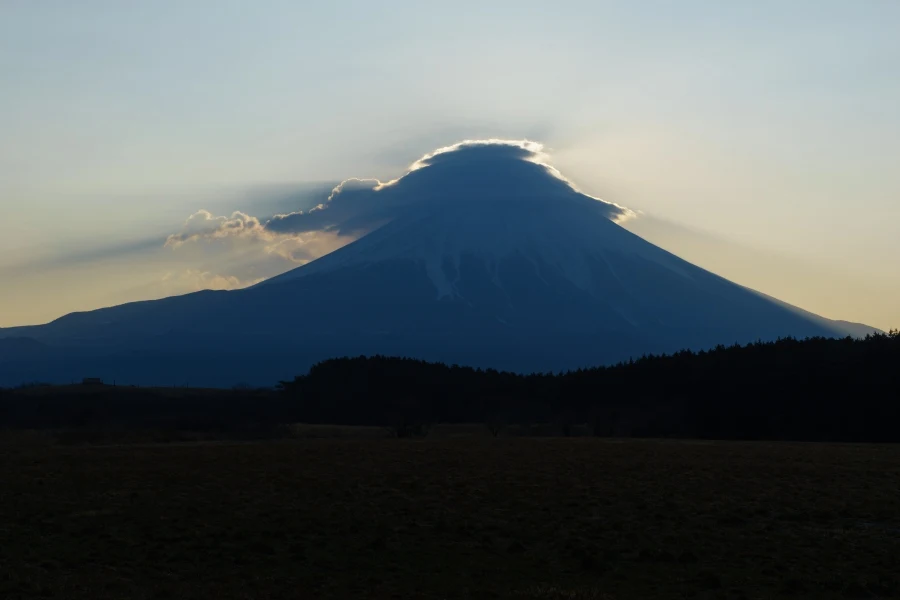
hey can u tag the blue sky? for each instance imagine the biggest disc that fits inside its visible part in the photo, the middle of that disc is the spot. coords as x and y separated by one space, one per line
759 140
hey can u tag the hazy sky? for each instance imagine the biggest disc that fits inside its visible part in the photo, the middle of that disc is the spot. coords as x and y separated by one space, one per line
758 139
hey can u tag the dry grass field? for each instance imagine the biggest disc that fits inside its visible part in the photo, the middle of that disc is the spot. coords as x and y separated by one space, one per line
449 517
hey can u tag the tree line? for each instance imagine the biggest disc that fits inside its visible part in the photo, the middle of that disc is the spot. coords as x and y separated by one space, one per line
813 389
817 389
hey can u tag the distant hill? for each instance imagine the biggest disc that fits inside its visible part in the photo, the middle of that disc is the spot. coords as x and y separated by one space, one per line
17 347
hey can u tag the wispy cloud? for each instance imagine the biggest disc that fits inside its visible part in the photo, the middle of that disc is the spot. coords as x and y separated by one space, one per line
195 280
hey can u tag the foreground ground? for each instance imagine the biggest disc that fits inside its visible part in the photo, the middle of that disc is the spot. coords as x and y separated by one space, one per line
450 518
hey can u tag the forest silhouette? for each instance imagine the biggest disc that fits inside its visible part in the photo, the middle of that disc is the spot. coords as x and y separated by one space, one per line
815 389
818 389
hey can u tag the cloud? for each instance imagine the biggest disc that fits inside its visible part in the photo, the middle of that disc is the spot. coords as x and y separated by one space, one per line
471 174
195 280
473 170
202 224
304 247
296 247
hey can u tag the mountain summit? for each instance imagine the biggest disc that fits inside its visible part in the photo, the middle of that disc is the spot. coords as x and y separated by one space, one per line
480 254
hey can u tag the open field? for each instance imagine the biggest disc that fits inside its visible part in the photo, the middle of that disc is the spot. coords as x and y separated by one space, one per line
465 517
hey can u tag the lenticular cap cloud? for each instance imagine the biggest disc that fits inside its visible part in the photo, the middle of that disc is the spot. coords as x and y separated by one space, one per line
474 175
469 173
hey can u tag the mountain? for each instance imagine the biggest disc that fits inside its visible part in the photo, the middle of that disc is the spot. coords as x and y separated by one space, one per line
481 255
13 347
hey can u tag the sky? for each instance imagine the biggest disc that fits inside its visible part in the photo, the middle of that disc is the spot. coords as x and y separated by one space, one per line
758 140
